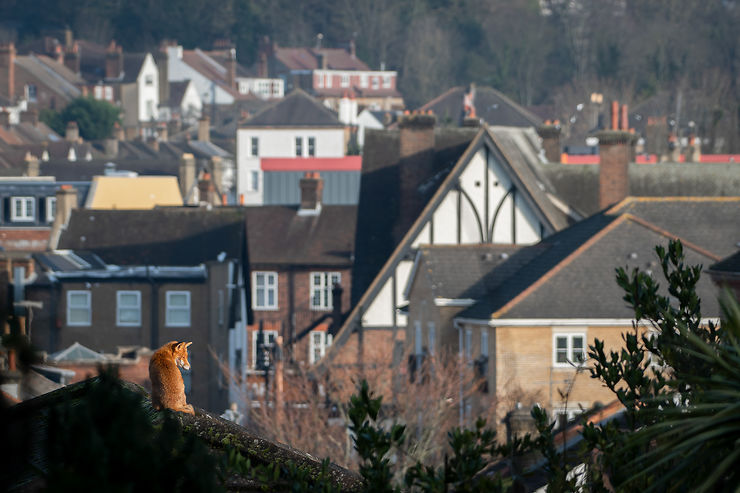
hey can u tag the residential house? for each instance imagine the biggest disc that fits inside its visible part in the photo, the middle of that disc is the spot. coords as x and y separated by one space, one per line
184 105
528 319
330 74
376 120
285 140
422 185
143 278
215 83
726 273
42 81
301 263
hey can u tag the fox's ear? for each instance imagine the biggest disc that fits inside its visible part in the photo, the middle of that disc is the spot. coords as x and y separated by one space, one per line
188 344
178 346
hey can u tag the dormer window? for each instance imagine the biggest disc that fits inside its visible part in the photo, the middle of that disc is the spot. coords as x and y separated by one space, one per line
22 209
51 209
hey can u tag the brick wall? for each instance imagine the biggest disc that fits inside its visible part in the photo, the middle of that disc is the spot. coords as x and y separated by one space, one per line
615 152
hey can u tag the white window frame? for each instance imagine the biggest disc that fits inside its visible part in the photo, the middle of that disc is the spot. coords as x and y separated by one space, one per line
320 80
324 288
328 81
169 307
27 206
364 81
254 146
484 342
298 146
255 335
345 80
569 349
311 146
51 209
267 287
469 345
254 181
119 307
375 81
324 341
570 412
86 306
386 82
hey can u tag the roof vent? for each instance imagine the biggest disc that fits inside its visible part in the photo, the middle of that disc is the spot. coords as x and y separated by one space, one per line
503 256
632 256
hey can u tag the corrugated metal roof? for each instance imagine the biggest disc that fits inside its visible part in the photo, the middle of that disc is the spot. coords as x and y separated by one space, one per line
340 187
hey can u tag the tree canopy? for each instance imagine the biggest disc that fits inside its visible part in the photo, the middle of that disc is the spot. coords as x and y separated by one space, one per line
94 118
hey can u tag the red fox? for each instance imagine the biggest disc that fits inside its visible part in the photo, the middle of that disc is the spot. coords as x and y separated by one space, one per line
168 389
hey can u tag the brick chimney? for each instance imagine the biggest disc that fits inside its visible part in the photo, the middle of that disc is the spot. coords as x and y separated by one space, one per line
7 70
110 147
615 150
321 61
204 129
66 197
33 167
72 57
72 132
416 133
217 169
550 135
161 58
187 176
266 50
312 187
416 164
113 61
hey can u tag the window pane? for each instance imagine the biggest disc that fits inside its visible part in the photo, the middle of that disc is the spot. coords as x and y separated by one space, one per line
128 315
178 299
271 297
562 343
128 299
79 315
562 356
579 355
260 297
178 316
260 279
78 299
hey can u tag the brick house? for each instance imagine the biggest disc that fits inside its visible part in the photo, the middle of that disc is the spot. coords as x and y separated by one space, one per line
297 256
149 277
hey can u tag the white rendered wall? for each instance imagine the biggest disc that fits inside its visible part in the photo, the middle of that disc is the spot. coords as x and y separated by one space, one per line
178 70
274 142
148 92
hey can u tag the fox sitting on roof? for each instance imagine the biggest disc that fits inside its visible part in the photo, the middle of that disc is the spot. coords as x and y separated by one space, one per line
168 388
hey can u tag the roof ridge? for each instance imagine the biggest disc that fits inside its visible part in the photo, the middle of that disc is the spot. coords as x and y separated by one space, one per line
668 234
440 97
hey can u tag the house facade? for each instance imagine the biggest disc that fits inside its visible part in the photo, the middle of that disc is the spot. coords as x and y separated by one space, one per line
299 132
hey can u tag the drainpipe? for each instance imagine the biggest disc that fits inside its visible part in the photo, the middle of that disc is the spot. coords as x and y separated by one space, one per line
460 363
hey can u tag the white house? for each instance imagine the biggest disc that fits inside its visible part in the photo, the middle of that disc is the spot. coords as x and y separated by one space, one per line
184 104
296 127
208 76
139 89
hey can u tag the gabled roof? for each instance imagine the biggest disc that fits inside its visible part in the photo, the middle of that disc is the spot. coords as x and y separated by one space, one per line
307 59
209 68
183 236
77 352
177 92
578 185
492 106
573 277
132 63
47 72
297 109
728 265
278 235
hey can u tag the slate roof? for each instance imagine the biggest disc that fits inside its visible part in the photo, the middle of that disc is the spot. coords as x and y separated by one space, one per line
278 235
729 265
297 109
177 236
45 73
491 105
64 170
461 271
578 185
209 68
132 63
307 59
573 276
177 92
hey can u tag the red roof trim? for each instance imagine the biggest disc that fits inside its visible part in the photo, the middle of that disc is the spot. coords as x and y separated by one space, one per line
346 163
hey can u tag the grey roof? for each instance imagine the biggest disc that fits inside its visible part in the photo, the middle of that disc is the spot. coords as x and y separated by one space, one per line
574 277
297 109
578 185
132 63
177 92
69 261
728 265
77 352
168 236
45 74
492 106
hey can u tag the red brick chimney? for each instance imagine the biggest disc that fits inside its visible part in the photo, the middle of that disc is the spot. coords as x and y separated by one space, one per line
615 150
416 152
550 135
72 57
7 70
416 133
113 61
312 187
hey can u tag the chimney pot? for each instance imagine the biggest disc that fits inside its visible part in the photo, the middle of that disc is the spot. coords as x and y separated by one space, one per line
615 115
66 196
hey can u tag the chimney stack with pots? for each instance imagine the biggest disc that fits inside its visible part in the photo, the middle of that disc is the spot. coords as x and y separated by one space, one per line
7 70
615 150
72 57
416 152
72 132
33 167
66 202
113 61
550 135
204 129
187 177
312 187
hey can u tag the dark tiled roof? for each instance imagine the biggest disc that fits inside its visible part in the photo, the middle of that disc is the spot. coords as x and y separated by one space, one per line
460 271
381 224
307 59
278 235
177 236
209 68
132 63
177 92
578 185
64 170
491 105
730 265
574 276
47 75
297 109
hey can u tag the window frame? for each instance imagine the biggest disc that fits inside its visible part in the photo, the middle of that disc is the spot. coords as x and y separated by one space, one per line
51 209
569 349
254 146
168 307
311 146
344 80
326 340
255 333
26 216
119 322
322 287
268 274
87 306
432 337
298 146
